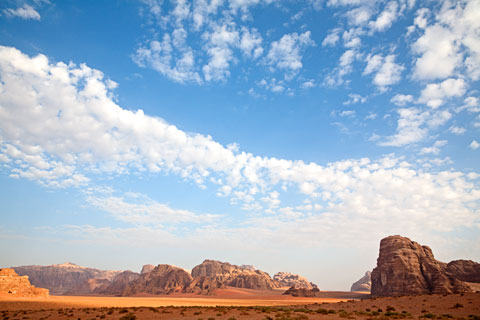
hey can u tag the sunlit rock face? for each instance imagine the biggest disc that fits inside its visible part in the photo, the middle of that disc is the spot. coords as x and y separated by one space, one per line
13 284
364 284
66 278
405 267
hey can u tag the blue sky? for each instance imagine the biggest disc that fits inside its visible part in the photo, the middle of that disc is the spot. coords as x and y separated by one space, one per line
292 135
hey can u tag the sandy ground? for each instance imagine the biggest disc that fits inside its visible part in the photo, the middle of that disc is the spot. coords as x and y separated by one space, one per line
223 297
261 307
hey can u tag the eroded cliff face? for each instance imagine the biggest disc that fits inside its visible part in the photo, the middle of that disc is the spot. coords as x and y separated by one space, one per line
287 279
119 283
67 278
364 284
464 270
405 267
147 268
13 284
213 274
163 279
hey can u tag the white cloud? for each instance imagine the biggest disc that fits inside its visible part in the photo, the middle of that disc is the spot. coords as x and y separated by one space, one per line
332 38
414 126
43 104
308 84
141 210
336 77
450 43
434 94
371 116
219 43
26 12
251 43
474 145
387 71
359 16
347 113
286 53
386 17
472 104
435 149
161 56
457 130
355 98
420 20
402 99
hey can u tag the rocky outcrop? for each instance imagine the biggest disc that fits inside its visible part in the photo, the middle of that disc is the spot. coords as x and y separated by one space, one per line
248 267
303 292
464 270
364 284
287 279
213 274
118 285
405 267
67 278
163 279
13 284
147 268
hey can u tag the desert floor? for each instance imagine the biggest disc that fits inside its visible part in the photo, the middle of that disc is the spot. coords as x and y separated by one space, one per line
234 304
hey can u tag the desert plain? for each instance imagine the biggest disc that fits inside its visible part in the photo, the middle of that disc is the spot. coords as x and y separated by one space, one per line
234 303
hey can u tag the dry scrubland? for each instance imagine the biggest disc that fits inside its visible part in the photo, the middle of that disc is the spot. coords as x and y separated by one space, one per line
454 306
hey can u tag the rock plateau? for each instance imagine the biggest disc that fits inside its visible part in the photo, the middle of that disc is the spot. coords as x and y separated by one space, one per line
67 278
287 279
212 274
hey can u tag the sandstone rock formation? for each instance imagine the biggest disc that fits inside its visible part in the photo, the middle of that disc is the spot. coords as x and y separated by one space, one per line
464 270
13 284
364 284
147 268
67 278
213 274
248 267
303 292
404 267
287 279
163 279
118 284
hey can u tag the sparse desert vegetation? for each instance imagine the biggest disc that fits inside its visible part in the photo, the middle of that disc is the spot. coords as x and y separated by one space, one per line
441 307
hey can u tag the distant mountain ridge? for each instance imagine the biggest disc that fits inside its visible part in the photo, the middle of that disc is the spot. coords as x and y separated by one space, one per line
71 279
66 278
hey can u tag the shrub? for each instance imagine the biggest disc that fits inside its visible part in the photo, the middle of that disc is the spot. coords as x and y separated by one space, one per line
129 316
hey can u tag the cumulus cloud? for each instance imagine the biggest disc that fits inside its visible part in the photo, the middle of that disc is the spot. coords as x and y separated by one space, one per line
386 17
59 123
26 12
414 125
474 145
450 42
336 77
286 53
332 38
359 16
435 149
457 130
355 98
434 94
171 57
387 71
402 99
